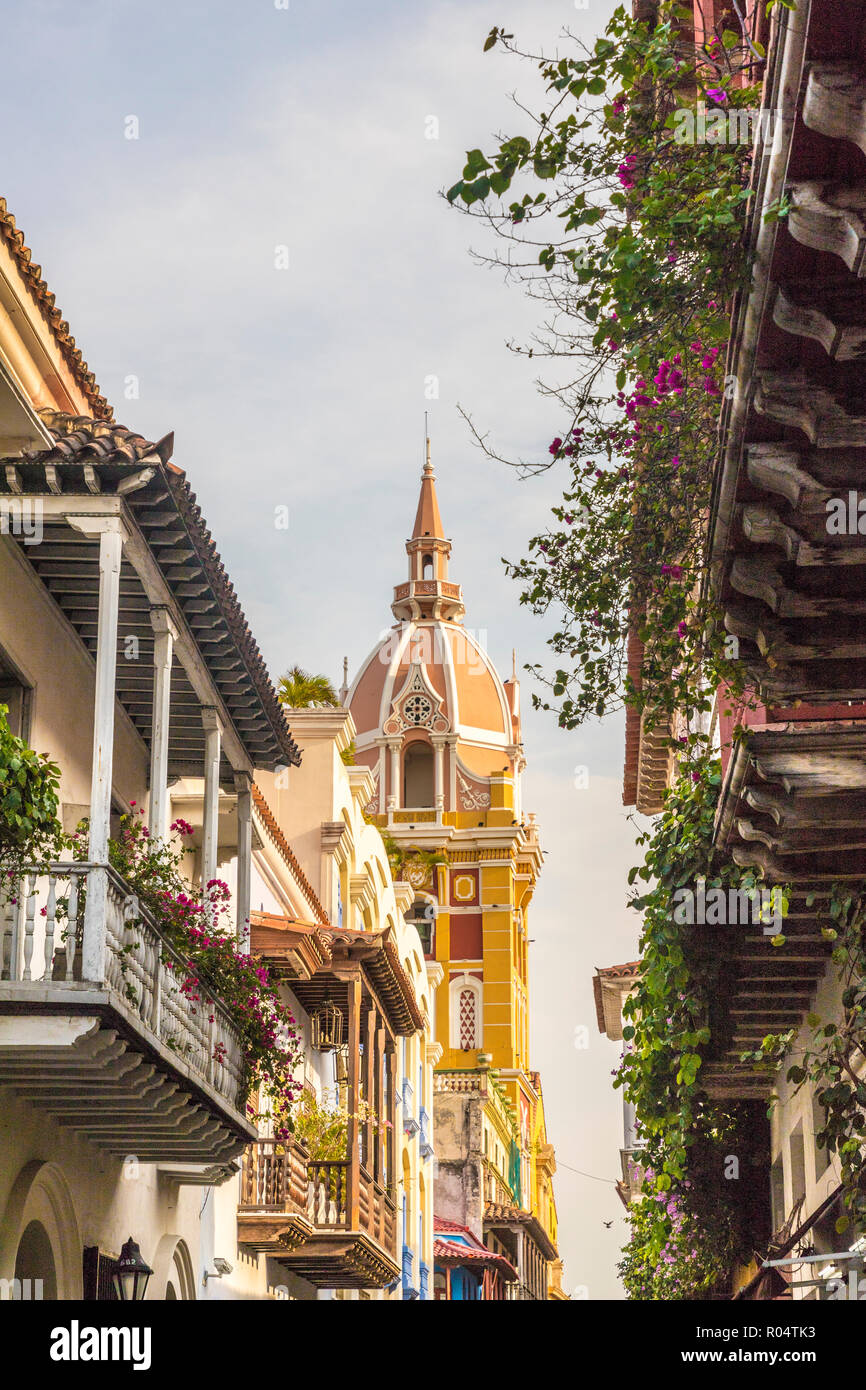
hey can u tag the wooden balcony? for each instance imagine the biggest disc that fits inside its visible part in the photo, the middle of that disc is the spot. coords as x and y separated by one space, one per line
328 1222
103 1040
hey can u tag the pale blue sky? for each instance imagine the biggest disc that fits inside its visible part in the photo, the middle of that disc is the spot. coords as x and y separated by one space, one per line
261 127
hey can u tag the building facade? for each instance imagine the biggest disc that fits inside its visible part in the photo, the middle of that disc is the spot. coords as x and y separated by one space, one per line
125 657
439 733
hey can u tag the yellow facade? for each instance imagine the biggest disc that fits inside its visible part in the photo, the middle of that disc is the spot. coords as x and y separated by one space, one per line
441 733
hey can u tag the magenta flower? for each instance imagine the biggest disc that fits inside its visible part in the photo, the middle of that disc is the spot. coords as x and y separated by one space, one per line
717 94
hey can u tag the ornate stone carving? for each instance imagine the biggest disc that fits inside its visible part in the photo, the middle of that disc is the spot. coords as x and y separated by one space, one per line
472 797
372 806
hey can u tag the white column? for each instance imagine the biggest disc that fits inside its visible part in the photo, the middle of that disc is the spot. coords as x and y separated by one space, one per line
438 775
111 534
212 746
396 798
164 634
244 790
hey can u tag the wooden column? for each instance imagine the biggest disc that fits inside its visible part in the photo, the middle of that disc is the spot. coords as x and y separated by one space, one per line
390 1146
164 634
370 1021
112 535
353 1097
212 747
381 1132
244 790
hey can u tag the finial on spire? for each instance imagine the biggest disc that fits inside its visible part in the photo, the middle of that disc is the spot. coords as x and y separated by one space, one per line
344 688
428 465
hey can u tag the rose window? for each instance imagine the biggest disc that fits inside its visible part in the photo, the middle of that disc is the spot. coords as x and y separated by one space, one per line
417 710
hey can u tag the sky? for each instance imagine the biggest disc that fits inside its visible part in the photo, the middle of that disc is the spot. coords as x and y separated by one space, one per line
237 204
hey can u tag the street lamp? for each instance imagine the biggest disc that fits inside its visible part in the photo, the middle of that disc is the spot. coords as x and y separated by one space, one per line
327 1027
130 1274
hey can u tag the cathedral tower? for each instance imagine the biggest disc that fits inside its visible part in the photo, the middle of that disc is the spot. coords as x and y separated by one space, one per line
441 733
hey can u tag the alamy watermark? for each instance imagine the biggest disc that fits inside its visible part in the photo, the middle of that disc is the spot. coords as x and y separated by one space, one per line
731 907
22 517
722 127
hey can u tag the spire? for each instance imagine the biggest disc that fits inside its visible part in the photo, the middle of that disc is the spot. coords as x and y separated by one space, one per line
344 688
428 521
429 593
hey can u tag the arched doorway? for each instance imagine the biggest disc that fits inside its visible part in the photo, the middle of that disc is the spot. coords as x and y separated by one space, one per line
34 1263
39 1236
173 1277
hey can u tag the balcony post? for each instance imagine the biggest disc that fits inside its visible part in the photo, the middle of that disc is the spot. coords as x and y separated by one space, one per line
353 991
164 634
377 1166
244 790
112 535
390 1082
370 1090
210 840
380 1131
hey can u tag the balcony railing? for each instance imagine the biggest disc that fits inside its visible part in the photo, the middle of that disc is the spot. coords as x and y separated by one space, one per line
409 1289
138 974
298 1210
410 1124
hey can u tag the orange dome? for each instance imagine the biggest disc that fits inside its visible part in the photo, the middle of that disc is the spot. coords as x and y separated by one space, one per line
429 689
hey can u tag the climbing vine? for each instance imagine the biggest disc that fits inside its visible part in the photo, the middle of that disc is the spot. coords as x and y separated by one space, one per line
689 1222
631 234
833 1062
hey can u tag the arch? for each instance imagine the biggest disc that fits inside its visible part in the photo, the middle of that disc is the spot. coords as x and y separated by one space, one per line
418 775
427 567
465 998
173 1276
40 1197
422 916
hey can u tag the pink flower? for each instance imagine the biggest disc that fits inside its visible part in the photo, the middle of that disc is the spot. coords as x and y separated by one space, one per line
717 94
555 446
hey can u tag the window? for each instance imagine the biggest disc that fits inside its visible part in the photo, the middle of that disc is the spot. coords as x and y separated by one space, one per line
422 915
798 1164
819 1119
15 694
427 567
418 775
777 1194
465 995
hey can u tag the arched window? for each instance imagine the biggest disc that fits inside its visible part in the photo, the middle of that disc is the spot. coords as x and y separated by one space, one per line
418 776
466 1026
427 567
422 916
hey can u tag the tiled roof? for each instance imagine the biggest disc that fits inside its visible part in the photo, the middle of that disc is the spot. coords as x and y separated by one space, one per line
32 276
610 972
97 456
441 1223
498 1214
452 1252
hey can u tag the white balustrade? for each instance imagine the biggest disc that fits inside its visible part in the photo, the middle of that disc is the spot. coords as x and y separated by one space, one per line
40 921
